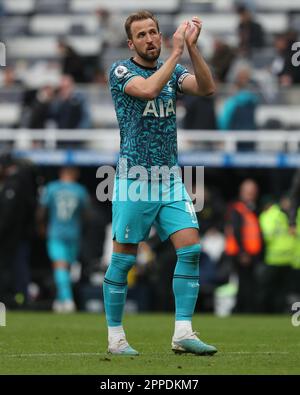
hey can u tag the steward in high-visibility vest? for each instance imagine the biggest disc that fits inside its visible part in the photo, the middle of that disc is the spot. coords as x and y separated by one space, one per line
279 253
294 283
279 243
296 257
250 240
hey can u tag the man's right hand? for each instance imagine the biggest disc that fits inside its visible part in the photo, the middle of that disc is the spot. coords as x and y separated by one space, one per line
179 38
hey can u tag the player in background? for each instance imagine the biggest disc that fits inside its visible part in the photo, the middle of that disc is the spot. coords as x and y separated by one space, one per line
63 204
144 93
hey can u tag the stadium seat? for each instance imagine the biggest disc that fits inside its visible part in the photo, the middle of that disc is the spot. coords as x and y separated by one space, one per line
46 47
9 114
62 24
14 25
214 23
85 6
51 6
277 5
288 115
17 7
220 23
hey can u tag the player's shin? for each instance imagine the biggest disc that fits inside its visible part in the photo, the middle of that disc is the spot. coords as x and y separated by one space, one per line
115 287
63 284
186 283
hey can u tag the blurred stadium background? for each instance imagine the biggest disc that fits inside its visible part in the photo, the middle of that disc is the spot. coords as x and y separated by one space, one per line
53 120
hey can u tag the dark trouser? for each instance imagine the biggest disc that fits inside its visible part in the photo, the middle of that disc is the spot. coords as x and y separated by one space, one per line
14 272
21 269
6 276
274 288
246 301
294 286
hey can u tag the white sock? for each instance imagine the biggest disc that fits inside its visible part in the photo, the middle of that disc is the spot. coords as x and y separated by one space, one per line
115 333
182 327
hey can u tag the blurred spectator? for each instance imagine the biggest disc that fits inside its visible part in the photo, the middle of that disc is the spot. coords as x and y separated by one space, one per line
39 112
63 203
70 109
295 201
111 34
244 244
110 30
294 224
282 65
238 112
278 257
212 240
250 33
294 283
93 239
250 4
72 62
211 216
7 76
17 208
222 58
200 113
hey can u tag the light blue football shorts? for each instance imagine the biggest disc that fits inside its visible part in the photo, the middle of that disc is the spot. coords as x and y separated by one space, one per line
137 205
63 250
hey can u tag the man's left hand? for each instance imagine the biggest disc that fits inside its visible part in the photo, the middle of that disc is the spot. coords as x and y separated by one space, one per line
193 31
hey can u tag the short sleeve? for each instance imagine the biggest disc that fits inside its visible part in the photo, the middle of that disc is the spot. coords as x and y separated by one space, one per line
119 76
181 73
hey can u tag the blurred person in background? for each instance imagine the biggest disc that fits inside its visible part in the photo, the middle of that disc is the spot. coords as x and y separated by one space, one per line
282 66
222 59
295 201
238 111
17 208
63 204
69 108
200 113
278 256
40 109
244 244
71 62
110 33
294 224
250 32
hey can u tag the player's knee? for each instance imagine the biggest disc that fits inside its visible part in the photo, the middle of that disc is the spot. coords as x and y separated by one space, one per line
189 254
124 248
123 262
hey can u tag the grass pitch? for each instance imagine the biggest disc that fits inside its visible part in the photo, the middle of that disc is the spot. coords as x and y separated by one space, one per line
46 343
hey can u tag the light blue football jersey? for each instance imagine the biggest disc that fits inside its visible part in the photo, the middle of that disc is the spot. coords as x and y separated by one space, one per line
65 202
147 127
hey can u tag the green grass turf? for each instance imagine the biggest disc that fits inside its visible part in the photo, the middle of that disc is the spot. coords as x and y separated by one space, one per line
46 343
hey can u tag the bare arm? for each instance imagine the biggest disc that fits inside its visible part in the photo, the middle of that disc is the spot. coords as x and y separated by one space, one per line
149 88
202 83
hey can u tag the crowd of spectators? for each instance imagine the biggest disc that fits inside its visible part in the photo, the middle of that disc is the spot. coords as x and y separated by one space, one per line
226 60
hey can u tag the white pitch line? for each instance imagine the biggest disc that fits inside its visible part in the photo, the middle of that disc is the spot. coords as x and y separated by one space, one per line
256 352
87 354
54 354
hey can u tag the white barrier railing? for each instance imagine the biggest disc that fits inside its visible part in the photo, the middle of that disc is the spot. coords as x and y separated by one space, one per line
108 139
